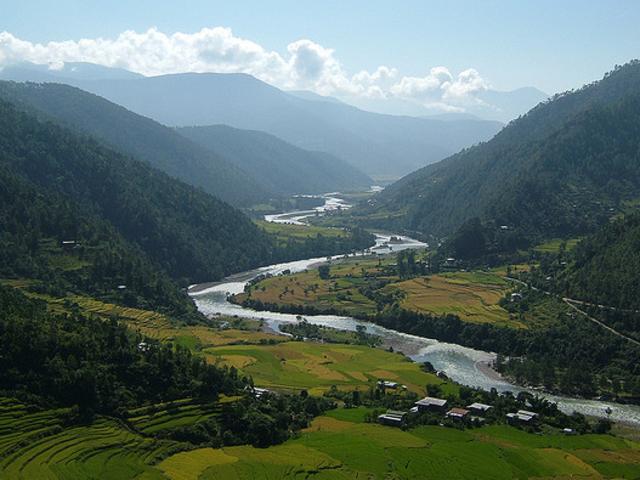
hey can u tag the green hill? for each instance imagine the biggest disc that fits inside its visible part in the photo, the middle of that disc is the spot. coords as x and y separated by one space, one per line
131 223
560 170
606 267
280 166
139 137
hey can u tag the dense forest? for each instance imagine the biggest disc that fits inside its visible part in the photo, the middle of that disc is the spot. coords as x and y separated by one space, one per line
101 367
606 266
133 230
139 137
560 170
98 365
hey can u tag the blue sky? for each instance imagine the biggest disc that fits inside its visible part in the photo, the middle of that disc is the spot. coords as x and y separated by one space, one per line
553 45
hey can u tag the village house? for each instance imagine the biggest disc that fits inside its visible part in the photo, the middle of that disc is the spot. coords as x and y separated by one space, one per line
259 392
431 404
388 384
479 408
393 418
68 245
458 413
522 417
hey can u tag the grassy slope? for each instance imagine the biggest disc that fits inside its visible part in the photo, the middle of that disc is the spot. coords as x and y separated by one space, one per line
316 367
33 445
334 448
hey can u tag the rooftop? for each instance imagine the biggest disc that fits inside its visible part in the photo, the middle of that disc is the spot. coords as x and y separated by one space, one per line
479 406
457 412
432 401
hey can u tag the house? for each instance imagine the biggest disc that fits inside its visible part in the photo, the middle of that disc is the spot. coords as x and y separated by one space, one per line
458 413
258 392
431 404
479 408
569 431
68 245
522 417
393 418
516 297
388 384
143 347
450 262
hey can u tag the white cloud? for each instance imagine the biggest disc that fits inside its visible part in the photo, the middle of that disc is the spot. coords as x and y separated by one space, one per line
306 64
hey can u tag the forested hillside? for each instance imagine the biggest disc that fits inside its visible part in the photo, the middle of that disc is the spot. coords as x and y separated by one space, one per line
57 187
140 137
560 170
606 267
280 166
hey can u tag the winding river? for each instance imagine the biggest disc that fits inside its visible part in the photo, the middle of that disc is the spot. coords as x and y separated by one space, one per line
463 365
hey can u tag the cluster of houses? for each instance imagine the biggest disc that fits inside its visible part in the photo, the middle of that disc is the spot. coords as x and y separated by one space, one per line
474 412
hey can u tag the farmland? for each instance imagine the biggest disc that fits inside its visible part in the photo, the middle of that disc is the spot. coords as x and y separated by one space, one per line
472 296
333 448
35 444
284 231
316 367
354 287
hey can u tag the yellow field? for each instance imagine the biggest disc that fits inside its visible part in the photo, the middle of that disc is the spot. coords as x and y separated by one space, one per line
316 367
337 449
473 297
152 324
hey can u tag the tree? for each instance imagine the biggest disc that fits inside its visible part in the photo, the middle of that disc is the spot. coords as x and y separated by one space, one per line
324 271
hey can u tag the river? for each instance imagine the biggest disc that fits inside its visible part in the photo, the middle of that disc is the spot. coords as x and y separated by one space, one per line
463 365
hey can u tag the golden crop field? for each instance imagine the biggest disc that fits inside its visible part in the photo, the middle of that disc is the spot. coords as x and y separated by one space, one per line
471 296
316 366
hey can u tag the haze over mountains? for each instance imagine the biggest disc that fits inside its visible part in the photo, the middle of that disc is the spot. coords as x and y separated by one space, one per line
561 170
280 166
383 146
221 167
500 106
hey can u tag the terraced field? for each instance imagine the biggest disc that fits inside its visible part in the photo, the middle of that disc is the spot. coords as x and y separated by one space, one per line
339 292
316 367
340 449
472 296
35 445
154 419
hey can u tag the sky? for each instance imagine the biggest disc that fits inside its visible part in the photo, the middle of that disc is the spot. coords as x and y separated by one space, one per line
439 53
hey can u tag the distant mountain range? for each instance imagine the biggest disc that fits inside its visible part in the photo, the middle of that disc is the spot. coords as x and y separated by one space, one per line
280 166
562 169
244 168
500 106
379 145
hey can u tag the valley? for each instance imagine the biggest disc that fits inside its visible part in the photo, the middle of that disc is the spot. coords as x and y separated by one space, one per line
226 257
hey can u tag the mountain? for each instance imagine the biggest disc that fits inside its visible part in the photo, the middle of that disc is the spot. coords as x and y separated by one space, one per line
379 145
606 269
134 225
562 169
27 71
139 137
309 95
505 106
280 166
494 105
